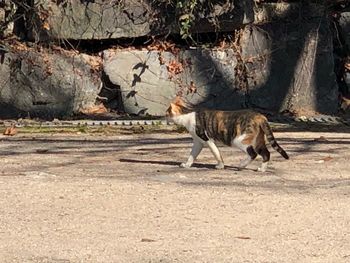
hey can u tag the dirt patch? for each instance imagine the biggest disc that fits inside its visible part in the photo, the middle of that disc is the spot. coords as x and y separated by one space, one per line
123 198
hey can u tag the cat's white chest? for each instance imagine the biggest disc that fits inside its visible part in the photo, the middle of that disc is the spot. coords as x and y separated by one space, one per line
188 120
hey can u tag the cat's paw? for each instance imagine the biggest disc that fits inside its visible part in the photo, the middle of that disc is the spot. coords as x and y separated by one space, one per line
261 169
185 165
220 166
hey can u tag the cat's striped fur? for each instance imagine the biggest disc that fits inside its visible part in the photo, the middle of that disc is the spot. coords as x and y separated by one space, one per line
245 129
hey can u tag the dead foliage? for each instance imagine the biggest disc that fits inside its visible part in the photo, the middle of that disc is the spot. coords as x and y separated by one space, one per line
174 68
161 46
347 66
96 109
10 131
344 103
321 139
301 113
95 62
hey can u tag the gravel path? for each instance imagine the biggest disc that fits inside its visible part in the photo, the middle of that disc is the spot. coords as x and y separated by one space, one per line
123 198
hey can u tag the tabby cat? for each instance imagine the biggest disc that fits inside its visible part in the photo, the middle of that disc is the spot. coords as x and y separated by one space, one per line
243 128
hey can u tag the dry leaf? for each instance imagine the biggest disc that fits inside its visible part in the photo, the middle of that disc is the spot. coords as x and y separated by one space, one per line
17 46
347 66
161 59
242 237
161 46
249 60
174 67
326 159
222 44
345 103
321 139
46 26
95 63
147 240
42 150
10 131
97 109
192 88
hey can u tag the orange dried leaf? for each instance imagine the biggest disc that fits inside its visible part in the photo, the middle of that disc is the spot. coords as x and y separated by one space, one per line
328 158
347 66
161 60
344 103
192 88
243 237
321 139
249 60
174 67
46 26
96 109
10 131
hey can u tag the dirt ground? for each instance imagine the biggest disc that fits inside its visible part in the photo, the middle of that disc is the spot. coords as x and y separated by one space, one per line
123 198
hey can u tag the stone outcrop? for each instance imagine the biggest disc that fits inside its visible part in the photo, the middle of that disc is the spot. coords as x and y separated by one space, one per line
38 83
137 18
344 23
126 19
277 57
297 70
144 82
7 11
149 80
92 19
290 68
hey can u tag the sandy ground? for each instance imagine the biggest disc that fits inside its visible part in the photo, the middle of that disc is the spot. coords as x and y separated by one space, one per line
123 198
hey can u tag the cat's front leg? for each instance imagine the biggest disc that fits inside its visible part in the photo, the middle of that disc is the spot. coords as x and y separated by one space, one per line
215 151
196 149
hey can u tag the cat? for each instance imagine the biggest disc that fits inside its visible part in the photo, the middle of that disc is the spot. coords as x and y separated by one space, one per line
245 129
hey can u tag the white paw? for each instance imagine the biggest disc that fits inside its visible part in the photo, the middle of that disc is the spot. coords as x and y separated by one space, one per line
262 169
220 166
185 165
243 164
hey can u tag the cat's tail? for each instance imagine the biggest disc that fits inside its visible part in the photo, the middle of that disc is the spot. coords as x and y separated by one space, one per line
271 139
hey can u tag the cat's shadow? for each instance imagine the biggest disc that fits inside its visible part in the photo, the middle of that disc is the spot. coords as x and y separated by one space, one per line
176 164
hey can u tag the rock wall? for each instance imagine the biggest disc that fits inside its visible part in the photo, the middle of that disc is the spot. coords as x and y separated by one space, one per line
37 83
115 19
275 57
7 11
344 23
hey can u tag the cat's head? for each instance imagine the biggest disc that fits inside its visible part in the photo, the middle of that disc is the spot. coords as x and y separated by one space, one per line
177 107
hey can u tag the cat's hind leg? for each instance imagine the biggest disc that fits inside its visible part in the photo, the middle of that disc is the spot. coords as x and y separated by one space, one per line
248 149
196 149
251 155
215 151
265 154
260 148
